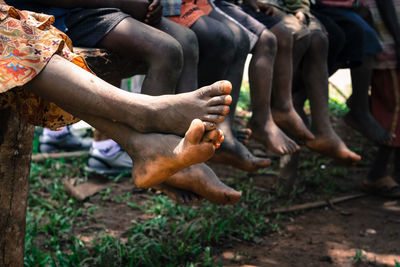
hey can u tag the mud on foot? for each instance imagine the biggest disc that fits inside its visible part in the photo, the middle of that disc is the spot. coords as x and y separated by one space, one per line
156 156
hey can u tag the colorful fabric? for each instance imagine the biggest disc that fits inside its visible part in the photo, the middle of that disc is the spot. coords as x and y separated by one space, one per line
27 43
59 13
385 101
171 7
338 3
191 11
290 6
387 58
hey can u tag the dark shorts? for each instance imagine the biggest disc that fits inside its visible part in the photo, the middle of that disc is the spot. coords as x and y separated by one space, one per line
346 41
298 29
344 17
249 24
266 20
87 27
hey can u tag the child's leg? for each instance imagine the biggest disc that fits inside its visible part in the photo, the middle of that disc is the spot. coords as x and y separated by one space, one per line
315 77
82 92
188 80
216 48
379 167
201 180
283 111
396 164
231 152
378 181
260 77
359 116
160 52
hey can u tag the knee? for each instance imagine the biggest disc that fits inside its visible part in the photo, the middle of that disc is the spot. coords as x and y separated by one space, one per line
319 41
225 44
170 54
285 38
190 46
242 41
267 42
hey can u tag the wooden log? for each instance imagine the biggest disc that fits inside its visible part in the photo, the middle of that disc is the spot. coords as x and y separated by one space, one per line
317 204
16 138
44 156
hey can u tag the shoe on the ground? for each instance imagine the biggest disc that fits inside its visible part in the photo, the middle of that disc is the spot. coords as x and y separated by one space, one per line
113 165
67 142
385 187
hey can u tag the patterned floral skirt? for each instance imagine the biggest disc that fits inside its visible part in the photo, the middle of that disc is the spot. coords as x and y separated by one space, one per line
27 43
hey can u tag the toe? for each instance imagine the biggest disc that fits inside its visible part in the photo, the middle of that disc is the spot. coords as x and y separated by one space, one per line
220 100
219 110
212 136
195 132
213 118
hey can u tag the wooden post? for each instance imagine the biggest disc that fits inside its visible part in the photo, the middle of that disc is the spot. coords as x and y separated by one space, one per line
15 155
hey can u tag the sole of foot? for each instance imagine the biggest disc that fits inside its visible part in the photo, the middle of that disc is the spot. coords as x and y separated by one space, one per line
332 146
157 157
201 180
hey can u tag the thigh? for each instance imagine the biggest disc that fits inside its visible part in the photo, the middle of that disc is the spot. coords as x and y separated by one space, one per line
183 35
298 29
87 27
137 39
211 32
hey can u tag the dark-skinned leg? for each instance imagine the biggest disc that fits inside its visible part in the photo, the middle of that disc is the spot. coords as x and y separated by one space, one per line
260 77
216 49
232 152
379 167
160 52
315 77
379 181
396 171
166 114
359 116
201 180
283 112
188 80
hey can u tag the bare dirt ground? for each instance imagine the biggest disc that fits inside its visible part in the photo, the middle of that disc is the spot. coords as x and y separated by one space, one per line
360 232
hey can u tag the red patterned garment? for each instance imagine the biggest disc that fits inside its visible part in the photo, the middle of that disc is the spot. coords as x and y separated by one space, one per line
27 43
385 85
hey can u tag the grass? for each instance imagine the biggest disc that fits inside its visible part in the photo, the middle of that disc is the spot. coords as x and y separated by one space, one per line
53 218
173 235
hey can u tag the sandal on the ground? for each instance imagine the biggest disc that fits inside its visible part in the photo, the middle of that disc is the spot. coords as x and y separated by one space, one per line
385 187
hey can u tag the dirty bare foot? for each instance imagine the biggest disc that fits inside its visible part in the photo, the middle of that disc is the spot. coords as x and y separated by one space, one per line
156 156
331 145
290 122
201 180
243 135
233 153
272 137
181 196
368 126
174 113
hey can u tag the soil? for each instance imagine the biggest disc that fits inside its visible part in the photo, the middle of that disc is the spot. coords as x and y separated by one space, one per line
359 232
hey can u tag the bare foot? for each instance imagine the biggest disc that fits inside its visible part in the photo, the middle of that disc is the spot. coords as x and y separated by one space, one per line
156 156
332 146
202 181
233 153
290 122
272 137
181 196
174 113
369 127
243 135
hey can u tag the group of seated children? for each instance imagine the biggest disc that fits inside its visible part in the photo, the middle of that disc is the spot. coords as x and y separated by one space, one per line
166 133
